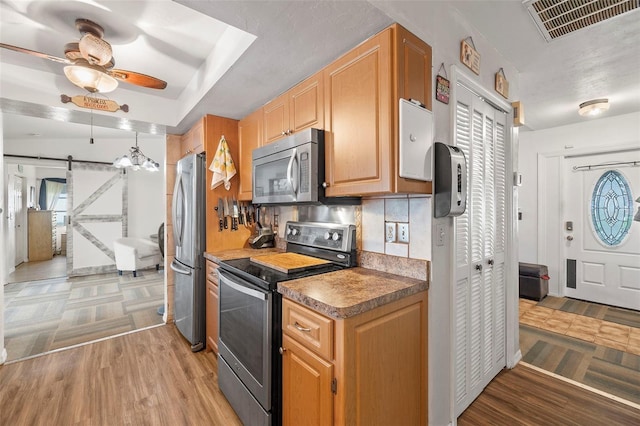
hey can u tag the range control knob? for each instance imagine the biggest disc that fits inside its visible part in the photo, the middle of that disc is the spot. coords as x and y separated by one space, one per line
288 230
336 236
295 231
327 235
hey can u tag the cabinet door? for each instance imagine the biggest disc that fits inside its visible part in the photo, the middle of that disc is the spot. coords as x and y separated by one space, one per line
212 316
306 386
414 67
250 136
306 105
358 117
276 118
192 142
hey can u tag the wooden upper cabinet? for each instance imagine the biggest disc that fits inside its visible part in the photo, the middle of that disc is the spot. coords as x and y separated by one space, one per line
358 113
250 135
193 142
306 104
295 110
362 90
276 118
413 62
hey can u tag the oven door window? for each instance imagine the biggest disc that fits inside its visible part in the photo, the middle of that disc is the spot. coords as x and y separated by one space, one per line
245 331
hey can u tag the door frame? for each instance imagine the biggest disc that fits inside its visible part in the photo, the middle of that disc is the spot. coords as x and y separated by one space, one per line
551 250
512 344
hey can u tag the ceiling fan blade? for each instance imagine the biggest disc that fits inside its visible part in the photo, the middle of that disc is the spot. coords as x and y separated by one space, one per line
34 53
138 79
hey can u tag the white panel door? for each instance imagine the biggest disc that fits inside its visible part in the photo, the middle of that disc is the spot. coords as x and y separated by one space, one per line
603 247
479 293
97 207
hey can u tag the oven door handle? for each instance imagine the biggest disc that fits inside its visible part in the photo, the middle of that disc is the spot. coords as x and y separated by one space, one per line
242 289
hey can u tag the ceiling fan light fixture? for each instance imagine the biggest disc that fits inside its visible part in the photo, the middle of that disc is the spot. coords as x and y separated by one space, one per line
90 77
95 50
593 107
122 162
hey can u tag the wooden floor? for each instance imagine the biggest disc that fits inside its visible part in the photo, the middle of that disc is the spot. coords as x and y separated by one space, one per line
523 396
39 270
150 377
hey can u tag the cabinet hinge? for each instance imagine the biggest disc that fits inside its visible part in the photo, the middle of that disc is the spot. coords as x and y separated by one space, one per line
334 385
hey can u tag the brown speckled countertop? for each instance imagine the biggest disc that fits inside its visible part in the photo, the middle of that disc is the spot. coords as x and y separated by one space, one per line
350 292
218 256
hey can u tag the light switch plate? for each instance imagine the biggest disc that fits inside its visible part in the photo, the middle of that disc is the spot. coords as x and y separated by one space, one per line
403 233
440 234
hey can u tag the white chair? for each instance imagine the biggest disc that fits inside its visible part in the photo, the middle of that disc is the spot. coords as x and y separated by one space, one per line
133 254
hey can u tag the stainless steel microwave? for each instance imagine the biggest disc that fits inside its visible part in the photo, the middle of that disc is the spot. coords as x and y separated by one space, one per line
290 170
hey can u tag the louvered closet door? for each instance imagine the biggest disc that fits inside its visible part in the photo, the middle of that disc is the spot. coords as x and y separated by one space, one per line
479 294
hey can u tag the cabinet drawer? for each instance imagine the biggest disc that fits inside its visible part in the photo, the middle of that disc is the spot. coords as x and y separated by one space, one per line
313 330
212 272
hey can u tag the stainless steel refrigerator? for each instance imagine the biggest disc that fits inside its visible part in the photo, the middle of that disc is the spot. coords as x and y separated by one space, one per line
189 236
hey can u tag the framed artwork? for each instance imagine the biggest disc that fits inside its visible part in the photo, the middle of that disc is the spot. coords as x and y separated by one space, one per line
469 56
502 84
442 89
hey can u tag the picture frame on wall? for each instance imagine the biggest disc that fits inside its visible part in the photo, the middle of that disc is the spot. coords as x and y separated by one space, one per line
502 84
469 56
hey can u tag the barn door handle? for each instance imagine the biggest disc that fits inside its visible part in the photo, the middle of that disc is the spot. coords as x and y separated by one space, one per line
479 267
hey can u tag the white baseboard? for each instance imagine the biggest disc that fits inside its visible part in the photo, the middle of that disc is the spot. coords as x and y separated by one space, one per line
3 356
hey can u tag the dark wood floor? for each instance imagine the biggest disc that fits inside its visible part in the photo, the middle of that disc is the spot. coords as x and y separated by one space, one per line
151 377
523 396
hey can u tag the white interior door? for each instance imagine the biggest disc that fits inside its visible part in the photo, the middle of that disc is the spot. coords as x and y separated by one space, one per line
602 242
97 204
479 248
20 222
11 220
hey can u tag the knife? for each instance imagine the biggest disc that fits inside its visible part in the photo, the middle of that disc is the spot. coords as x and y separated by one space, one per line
226 212
220 212
234 218
241 208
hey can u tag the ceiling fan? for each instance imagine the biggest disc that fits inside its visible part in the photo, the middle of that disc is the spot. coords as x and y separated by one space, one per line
90 63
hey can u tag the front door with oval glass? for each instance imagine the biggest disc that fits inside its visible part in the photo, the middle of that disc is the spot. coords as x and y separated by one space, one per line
602 247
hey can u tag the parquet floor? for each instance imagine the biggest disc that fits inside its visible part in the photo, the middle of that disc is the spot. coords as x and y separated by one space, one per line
50 314
596 345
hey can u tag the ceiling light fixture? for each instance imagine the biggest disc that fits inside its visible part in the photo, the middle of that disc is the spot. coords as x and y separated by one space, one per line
593 107
136 160
92 78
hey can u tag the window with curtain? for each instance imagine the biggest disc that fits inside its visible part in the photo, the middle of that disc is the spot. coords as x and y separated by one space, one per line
53 196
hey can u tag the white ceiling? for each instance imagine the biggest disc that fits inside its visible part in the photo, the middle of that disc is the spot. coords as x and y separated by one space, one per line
175 41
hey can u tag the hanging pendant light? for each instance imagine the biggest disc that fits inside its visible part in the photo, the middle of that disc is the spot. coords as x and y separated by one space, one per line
136 160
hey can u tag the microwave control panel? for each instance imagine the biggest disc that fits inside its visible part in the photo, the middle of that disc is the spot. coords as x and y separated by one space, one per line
304 173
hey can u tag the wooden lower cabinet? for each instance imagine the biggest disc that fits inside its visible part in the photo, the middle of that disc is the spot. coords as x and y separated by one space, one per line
378 367
212 307
308 399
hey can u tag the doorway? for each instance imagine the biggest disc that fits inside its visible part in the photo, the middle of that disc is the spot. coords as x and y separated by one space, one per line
602 242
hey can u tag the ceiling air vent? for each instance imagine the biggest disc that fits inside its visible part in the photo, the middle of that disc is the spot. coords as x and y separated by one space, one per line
556 18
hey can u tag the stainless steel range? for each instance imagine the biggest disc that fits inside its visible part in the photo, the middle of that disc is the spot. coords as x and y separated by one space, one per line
249 365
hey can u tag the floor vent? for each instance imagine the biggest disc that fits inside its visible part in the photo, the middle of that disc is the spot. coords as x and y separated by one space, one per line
556 18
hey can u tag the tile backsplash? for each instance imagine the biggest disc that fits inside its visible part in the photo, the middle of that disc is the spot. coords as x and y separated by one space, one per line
416 211
370 219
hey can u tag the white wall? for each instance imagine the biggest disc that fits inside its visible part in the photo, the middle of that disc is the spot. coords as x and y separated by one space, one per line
146 189
592 134
3 268
444 28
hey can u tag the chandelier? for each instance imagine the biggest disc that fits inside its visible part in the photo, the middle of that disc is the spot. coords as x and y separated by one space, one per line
136 160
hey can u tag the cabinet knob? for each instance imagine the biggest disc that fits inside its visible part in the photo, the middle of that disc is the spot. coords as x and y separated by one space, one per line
325 184
284 133
282 350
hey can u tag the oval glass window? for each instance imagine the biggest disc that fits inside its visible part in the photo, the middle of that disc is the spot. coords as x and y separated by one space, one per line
611 208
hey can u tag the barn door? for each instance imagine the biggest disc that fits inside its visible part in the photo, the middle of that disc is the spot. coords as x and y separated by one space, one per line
97 209
479 249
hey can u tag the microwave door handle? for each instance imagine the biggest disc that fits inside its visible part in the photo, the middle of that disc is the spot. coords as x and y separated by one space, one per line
293 182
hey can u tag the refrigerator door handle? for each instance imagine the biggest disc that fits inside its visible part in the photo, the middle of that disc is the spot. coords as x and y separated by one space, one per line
178 230
180 269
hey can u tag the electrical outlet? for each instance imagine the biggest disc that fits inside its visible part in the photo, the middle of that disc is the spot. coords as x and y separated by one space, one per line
440 234
390 232
403 233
